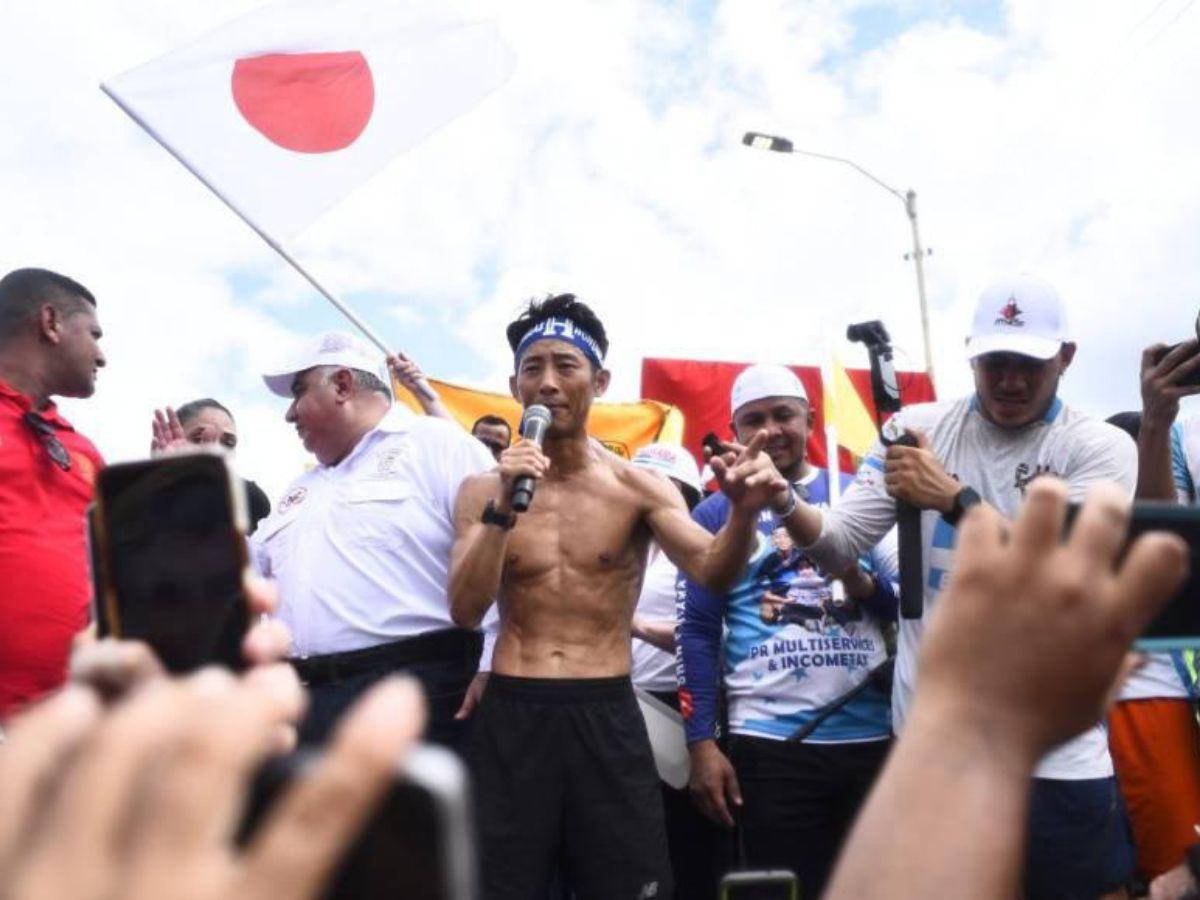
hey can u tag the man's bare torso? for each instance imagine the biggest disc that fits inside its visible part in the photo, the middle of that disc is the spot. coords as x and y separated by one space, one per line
572 573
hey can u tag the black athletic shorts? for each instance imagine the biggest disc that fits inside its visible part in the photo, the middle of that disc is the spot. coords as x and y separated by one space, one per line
564 778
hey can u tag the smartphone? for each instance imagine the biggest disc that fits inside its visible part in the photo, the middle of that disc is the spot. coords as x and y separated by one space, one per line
712 443
1193 378
1177 626
168 552
773 883
418 845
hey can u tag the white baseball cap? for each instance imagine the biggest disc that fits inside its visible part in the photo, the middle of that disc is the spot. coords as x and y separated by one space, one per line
765 380
332 348
671 461
1020 314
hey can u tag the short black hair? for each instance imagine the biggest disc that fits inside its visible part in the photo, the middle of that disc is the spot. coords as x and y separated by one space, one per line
1129 422
23 291
557 306
490 419
193 408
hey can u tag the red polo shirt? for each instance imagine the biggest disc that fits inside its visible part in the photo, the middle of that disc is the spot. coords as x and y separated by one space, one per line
45 587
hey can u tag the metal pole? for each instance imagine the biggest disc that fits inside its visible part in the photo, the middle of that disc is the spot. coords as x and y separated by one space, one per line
910 206
341 307
778 144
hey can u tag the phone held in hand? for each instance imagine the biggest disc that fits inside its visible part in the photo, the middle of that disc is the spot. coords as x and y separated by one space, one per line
1177 625
1193 378
418 845
712 443
168 552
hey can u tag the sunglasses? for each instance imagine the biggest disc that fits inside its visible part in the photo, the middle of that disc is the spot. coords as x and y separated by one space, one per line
54 447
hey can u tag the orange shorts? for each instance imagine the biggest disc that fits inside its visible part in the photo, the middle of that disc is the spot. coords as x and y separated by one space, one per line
1155 746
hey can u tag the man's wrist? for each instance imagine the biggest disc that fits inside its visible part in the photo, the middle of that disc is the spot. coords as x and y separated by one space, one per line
702 746
503 518
1002 743
949 496
786 504
1157 422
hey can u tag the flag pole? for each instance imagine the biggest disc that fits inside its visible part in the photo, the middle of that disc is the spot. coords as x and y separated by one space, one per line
422 384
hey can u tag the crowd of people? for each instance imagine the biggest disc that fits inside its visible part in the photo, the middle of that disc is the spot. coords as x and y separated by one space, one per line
966 748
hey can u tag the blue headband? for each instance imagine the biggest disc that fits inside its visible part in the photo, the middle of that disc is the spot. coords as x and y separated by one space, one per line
562 330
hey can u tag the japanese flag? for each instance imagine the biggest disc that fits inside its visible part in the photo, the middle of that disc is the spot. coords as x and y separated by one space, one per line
285 111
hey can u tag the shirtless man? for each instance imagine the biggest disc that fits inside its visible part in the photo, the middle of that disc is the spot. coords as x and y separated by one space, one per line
563 769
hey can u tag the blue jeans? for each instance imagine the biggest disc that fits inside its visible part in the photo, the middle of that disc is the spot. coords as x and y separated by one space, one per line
1079 843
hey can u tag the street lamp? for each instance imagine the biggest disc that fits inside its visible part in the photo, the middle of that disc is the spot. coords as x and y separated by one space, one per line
909 199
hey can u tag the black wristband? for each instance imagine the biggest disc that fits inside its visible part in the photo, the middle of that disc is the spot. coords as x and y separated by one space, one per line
492 516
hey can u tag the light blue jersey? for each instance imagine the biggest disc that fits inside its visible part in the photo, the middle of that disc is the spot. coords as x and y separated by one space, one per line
792 642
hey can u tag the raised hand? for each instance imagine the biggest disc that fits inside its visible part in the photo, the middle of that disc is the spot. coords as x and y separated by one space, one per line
406 370
1164 376
522 458
1031 631
166 771
167 432
747 476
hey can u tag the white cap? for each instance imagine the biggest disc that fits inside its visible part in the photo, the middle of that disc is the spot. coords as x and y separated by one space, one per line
757 382
332 348
1022 315
671 461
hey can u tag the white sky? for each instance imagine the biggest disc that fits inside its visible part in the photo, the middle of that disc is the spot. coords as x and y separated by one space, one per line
1051 136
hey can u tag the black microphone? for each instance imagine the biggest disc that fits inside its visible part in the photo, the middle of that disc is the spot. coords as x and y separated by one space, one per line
534 424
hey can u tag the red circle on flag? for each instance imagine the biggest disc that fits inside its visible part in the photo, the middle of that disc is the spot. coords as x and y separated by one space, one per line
307 102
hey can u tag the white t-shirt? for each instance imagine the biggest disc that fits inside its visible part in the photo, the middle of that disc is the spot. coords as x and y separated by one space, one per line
361 550
998 463
654 669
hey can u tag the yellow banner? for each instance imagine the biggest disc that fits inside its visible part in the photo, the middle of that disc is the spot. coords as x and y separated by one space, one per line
845 410
621 427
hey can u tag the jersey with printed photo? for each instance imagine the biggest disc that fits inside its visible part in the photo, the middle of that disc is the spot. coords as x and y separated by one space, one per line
785 641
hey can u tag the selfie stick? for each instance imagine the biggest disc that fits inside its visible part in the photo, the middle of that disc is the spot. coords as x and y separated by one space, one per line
885 391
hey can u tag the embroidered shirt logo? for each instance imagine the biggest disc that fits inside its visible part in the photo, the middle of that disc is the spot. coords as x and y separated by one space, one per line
292 498
387 463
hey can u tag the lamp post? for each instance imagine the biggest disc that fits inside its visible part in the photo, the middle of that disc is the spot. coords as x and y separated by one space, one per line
909 199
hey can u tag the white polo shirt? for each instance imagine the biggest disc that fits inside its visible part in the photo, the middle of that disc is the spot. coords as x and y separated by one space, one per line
361 549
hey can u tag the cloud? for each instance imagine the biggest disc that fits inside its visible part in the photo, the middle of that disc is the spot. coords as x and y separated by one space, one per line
1052 137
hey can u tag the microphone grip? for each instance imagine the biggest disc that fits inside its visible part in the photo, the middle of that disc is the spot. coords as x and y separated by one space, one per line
522 494
908 539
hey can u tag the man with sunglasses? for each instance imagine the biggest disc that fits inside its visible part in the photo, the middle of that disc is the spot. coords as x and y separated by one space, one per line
49 346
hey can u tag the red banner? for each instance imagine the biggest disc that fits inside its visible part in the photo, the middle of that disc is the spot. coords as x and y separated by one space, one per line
701 391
